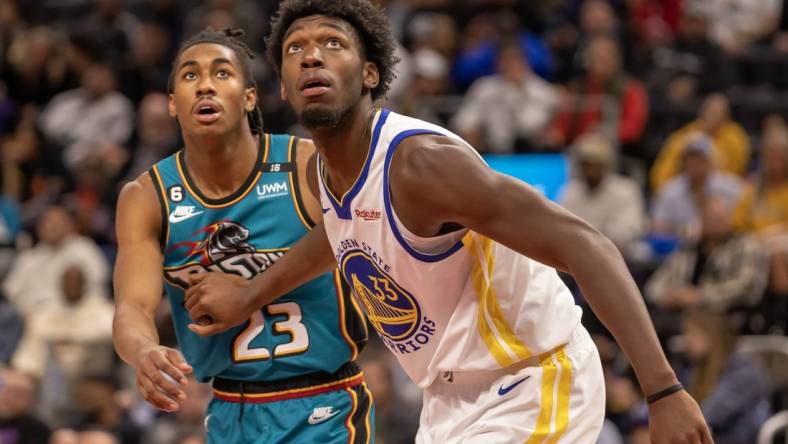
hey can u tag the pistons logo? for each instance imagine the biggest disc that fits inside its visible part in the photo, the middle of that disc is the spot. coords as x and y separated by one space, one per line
391 310
225 238
222 246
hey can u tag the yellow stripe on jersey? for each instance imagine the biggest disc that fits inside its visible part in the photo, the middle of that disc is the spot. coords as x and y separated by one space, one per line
367 422
496 333
564 385
542 427
159 183
342 316
292 146
349 420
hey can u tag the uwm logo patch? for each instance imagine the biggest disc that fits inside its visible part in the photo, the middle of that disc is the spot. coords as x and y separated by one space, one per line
368 214
269 190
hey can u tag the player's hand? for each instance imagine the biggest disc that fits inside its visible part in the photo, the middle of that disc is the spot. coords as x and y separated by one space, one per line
677 419
217 301
162 392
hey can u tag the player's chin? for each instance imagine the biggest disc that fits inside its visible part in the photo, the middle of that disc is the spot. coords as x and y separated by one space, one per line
320 115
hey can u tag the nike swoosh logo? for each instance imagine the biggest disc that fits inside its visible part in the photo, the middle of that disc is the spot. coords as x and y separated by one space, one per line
312 420
502 391
174 218
326 210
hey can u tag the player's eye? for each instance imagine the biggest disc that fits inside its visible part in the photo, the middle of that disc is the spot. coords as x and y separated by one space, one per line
294 48
333 43
189 75
222 74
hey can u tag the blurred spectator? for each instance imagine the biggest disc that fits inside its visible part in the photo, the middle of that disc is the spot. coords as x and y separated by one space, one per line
428 84
11 25
96 399
10 220
23 159
605 100
691 65
190 416
432 30
112 25
736 24
147 66
676 206
157 134
722 271
18 423
763 210
83 345
169 15
89 436
508 111
395 421
731 388
764 206
35 71
625 404
36 276
611 203
93 197
218 14
12 326
88 119
654 20
481 39
731 144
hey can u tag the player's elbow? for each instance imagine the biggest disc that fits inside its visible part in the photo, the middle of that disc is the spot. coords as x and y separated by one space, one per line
596 249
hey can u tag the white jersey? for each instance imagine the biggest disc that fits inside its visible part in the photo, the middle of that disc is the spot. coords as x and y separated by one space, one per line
455 302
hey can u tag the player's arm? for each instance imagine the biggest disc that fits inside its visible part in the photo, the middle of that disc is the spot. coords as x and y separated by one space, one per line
454 186
138 292
220 301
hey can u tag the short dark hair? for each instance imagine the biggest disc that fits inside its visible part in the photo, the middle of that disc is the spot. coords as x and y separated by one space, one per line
229 38
368 20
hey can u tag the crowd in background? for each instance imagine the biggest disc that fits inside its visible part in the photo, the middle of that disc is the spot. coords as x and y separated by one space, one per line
671 112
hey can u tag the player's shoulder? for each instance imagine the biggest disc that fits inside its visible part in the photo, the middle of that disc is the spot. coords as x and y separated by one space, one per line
306 148
427 154
139 193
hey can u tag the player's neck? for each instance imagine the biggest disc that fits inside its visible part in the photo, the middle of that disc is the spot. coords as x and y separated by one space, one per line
220 164
344 148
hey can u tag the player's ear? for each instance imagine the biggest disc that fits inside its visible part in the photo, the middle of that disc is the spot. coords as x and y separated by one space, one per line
282 91
371 75
171 105
251 99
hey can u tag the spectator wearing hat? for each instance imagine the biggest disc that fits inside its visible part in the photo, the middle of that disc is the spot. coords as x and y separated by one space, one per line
675 210
508 111
610 202
731 145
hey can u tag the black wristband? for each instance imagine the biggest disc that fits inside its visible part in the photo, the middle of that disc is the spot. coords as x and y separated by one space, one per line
650 399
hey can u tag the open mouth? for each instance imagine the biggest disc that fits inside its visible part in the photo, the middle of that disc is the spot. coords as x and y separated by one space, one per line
314 86
207 112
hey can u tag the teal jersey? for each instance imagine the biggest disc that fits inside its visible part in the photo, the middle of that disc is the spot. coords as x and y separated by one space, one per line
316 327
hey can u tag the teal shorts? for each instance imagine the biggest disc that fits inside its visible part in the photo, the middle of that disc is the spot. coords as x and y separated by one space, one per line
336 412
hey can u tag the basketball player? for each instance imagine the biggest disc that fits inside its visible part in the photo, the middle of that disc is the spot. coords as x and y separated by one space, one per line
232 201
453 263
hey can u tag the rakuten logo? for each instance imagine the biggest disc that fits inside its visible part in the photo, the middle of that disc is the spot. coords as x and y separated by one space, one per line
368 215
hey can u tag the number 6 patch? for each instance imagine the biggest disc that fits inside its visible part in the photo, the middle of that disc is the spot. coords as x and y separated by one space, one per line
175 193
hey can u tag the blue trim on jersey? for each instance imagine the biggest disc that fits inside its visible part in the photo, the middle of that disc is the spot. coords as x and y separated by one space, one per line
343 207
390 211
